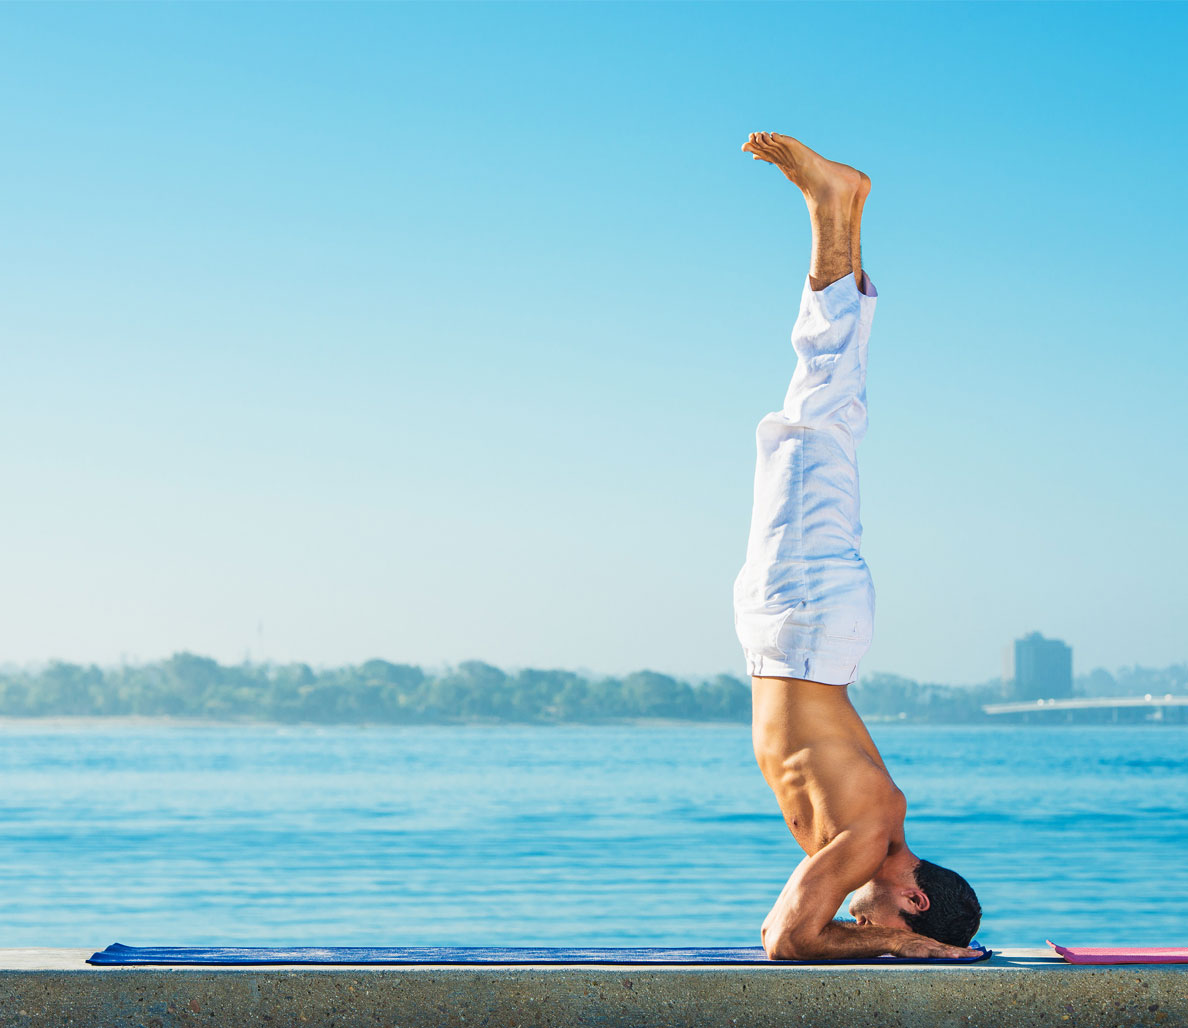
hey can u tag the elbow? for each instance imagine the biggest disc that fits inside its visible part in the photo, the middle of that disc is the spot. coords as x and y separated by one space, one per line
777 951
795 946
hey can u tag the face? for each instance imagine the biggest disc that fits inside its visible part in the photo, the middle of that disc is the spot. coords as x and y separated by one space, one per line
880 903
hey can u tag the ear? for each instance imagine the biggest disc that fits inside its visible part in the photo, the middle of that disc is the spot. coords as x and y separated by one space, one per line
917 898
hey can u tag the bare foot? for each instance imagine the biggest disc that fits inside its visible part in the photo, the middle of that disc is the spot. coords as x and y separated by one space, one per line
824 183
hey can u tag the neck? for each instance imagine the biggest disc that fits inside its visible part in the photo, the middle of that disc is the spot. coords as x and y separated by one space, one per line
899 863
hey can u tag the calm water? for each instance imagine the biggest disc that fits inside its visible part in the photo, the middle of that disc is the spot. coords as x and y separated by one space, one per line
663 835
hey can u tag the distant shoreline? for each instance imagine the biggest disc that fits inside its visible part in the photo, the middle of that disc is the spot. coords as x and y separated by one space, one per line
192 690
165 721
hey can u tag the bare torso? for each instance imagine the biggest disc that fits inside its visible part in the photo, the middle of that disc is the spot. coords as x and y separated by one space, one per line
842 808
821 762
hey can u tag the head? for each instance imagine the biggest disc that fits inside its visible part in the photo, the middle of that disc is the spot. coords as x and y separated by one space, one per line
926 899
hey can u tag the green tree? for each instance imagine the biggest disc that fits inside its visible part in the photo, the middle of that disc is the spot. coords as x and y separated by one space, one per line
66 689
724 698
471 689
649 693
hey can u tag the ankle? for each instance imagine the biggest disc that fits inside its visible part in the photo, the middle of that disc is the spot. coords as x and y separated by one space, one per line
830 205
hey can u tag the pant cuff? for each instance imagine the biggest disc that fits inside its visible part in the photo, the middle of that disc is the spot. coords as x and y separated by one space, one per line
812 667
838 298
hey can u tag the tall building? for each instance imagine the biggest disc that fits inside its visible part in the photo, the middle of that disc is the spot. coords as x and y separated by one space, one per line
1037 668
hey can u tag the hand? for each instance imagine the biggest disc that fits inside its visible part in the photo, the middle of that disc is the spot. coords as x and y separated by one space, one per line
912 945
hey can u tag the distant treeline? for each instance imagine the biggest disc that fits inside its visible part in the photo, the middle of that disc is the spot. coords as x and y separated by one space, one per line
187 685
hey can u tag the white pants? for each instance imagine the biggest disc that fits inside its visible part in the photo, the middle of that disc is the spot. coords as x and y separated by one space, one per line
804 600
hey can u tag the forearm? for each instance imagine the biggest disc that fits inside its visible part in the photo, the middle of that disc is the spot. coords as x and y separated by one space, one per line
838 940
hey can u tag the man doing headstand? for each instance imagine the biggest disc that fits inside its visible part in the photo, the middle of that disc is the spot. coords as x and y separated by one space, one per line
804 613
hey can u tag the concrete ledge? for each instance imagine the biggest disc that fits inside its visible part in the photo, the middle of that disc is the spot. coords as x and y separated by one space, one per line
56 987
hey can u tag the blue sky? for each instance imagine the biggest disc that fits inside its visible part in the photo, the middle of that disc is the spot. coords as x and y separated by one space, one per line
440 331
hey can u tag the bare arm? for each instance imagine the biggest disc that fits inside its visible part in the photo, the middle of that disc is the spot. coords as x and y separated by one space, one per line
801 926
841 939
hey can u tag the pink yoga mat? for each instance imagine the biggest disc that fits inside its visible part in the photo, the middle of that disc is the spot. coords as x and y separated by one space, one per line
1122 954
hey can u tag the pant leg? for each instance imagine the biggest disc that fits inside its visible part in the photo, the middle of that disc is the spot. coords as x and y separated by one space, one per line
804 599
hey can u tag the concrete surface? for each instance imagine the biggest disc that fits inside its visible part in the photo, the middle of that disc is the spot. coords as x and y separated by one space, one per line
1017 987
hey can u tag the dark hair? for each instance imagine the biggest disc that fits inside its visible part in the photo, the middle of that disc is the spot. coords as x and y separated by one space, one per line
953 913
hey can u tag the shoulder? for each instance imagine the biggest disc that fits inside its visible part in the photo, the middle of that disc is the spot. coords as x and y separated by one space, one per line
862 845
850 858
877 823
861 792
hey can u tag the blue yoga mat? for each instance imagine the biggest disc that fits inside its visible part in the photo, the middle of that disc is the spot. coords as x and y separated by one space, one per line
117 953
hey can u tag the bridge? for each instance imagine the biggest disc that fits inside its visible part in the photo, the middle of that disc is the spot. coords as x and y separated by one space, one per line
1158 703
